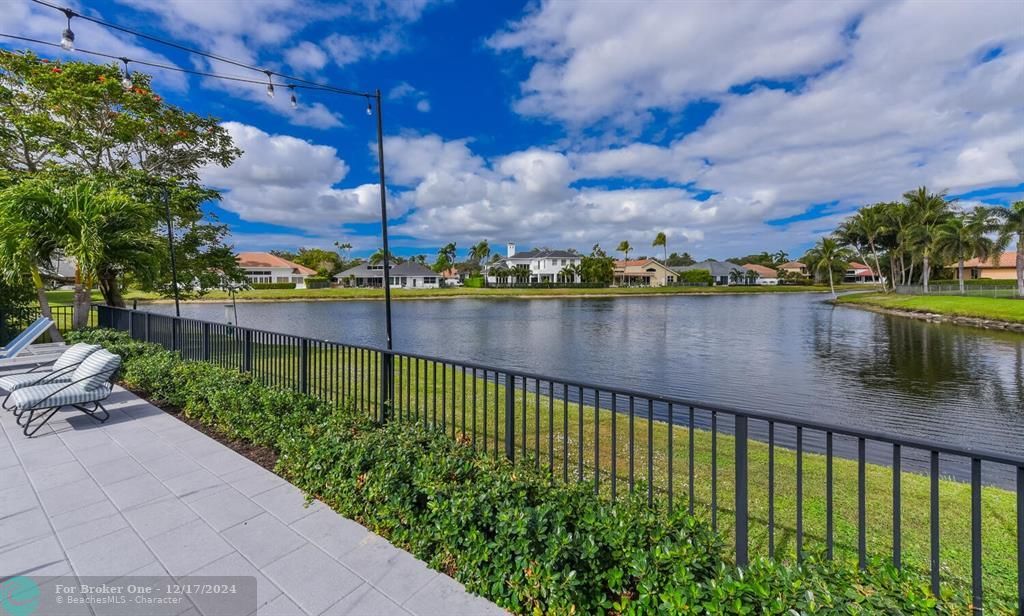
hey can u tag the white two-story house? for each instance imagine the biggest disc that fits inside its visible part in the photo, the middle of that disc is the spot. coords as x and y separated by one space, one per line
543 266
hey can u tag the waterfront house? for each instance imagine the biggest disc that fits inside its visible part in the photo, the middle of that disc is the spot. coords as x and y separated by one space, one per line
543 265
451 277
408 275
265 268
722 272
643 273
858 272
765 275
1003 269
794 267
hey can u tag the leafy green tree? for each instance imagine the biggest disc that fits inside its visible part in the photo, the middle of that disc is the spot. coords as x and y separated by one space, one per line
326 262
28 242
827 258
677 260
15 306
520 273
598 267
445 257
964 236
76 120
1010 227
661 240
480 251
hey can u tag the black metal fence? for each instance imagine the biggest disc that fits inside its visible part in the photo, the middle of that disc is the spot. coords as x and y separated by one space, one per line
10 325
773 485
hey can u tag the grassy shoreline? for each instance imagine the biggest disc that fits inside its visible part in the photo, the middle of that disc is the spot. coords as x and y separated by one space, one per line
989 308
343 294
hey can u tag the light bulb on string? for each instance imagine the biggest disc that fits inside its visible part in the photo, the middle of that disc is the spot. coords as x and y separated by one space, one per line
294 101
369 109
270 84
126 80
67 38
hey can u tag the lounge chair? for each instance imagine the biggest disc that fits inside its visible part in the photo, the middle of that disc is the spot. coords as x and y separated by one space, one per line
58 372
25 338
90 384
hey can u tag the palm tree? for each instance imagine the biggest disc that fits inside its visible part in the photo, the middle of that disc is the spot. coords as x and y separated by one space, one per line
445 257
827 256
625 249
480 251
661 240
964 237
569 273
930 211
520 273
866 226
377 257
1010 226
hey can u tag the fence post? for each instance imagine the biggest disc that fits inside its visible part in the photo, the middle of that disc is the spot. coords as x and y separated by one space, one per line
131 324
146 323
247 351
206 342
741 492
510 416
304 366
175 328
386 367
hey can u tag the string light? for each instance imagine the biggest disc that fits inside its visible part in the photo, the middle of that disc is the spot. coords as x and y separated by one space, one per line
270 84
126 81
369 108
294 101
67 38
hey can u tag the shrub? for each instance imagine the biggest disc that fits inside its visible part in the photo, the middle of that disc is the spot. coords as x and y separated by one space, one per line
272 285
475 282
697 276
317 282
508 532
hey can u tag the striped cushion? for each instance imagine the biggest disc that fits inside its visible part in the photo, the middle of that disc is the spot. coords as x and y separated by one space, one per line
13 382
96 369
76 354
29 397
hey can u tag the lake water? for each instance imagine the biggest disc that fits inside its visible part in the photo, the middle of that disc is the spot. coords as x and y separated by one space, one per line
792 354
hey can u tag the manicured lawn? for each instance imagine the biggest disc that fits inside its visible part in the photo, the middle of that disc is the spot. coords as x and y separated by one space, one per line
563 434
981 307
65 297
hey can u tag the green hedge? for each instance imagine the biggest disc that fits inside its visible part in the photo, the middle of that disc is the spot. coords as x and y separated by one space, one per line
318 282
272 285
697 276
509 533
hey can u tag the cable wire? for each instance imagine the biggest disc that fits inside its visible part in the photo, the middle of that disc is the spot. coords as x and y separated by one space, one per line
170 67
205 54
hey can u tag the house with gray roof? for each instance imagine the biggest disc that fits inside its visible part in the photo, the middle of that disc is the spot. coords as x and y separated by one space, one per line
721 271
408 275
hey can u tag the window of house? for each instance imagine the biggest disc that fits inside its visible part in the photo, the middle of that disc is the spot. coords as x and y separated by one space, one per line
283 279
429 280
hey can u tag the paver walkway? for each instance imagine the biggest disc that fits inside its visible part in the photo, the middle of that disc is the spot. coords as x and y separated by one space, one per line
145 494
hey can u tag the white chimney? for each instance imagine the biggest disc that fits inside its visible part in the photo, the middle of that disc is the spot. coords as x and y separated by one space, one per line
511 249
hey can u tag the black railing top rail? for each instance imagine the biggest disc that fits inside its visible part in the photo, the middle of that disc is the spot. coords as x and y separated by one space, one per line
914 443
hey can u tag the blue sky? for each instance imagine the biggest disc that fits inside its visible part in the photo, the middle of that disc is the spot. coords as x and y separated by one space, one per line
733 127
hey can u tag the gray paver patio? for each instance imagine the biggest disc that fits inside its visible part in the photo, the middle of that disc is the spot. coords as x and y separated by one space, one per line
145 494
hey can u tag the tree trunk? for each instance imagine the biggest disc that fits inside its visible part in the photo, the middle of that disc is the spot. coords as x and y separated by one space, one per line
924 272
830 284
80 316
44 304
110 289
878 267
1020 265
961 267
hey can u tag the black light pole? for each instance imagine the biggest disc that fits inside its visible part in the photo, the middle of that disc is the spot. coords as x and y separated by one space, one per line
387 357
170 244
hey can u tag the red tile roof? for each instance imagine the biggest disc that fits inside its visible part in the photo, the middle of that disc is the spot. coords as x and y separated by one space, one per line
1007 259
762 271
792 265
265 259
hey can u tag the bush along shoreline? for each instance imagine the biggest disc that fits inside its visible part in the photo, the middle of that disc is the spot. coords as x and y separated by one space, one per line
507 532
